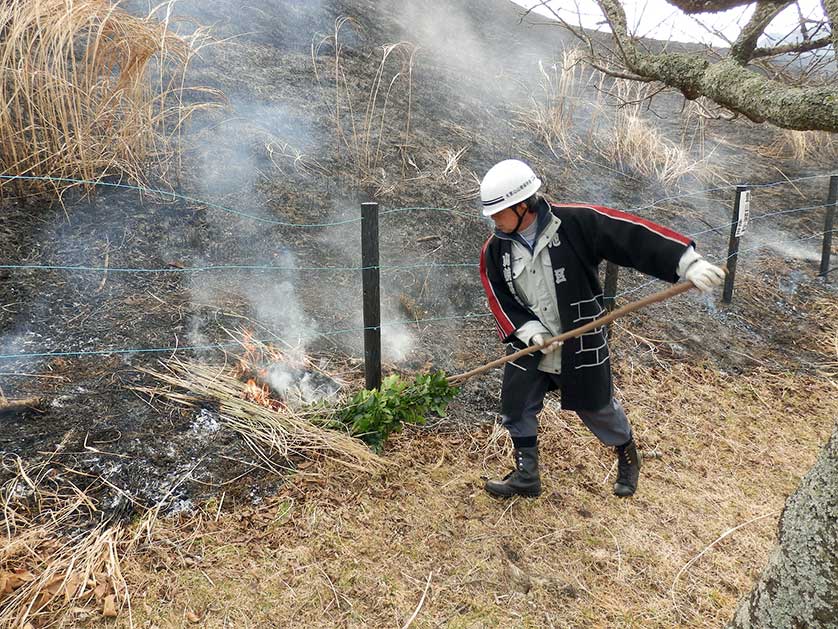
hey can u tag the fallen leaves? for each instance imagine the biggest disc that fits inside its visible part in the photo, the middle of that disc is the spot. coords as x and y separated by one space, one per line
92 593
109 607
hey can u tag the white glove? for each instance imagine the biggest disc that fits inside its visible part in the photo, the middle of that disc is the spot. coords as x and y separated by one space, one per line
539 339
704 275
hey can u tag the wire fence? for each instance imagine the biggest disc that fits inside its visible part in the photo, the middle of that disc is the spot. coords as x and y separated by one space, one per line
829 204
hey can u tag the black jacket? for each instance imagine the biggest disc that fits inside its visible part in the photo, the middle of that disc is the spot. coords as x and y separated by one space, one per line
588 234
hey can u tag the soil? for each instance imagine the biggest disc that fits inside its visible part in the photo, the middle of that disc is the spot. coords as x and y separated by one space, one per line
274 152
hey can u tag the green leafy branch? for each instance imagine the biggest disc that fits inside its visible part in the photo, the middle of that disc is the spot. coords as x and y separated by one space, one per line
372 415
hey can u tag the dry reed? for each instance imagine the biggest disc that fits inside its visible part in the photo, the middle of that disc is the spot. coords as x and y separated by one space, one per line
91 91
802 146
362 130
576 125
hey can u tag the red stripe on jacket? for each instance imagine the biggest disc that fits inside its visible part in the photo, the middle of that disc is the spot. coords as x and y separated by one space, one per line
504 323
660 230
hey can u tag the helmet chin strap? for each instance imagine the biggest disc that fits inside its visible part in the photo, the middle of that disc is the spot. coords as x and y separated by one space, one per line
520 219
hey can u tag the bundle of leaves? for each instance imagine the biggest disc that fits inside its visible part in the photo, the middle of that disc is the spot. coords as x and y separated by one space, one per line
372 415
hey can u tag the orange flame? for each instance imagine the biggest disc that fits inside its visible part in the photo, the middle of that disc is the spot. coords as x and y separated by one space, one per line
256 354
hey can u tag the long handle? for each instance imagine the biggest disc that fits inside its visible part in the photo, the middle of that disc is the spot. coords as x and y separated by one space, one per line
672 291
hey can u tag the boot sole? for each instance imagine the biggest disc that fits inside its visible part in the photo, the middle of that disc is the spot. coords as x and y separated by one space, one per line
628 493
523 494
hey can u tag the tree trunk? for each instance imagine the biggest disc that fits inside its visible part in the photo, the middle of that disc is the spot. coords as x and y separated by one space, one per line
798 589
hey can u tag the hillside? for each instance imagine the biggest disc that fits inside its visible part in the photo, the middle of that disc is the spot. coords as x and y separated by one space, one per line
731 402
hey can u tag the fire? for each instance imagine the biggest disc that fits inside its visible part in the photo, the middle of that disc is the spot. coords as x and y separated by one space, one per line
256 393
276 380
255 354
250 365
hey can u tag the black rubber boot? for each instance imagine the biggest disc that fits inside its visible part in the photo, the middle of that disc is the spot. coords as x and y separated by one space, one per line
628 465
524 480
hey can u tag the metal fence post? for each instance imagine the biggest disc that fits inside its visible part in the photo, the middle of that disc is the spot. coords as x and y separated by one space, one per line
828 226
733 244
372 294
611 273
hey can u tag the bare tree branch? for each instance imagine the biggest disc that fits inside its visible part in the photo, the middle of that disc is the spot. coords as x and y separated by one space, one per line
728 82
618 74
765 12
707 6
830 7
803 46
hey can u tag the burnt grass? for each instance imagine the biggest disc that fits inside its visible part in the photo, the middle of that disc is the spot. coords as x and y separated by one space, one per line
93 424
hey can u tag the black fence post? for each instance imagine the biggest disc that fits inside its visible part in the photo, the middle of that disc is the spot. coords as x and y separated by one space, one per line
372 294
828 226
611 273
741 209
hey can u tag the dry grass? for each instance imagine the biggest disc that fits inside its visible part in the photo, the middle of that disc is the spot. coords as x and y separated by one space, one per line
574 124
420 540
554 118
56 562
827 339
90 91
364 130
802 146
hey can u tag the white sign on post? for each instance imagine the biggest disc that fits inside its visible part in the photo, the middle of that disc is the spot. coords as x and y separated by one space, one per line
744 213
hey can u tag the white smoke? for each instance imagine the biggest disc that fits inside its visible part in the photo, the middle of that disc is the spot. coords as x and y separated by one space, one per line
296 387
397 342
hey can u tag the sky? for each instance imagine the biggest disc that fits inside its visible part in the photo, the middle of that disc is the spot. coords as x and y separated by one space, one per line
659 20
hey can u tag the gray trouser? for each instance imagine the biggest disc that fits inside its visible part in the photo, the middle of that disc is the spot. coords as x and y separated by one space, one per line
520 413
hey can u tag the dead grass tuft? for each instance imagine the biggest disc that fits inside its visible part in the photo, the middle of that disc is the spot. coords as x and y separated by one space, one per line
90 91
364 131
802 146
277 430
576 125
58 560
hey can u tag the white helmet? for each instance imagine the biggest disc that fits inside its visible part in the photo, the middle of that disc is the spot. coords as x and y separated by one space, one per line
506 184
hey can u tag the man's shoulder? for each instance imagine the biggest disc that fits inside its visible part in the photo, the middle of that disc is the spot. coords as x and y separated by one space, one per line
575 209
574 214
491 247
493 242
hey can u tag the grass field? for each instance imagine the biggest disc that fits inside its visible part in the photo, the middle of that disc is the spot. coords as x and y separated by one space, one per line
334 549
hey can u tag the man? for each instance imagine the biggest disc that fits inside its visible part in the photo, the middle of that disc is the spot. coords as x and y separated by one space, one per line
540 273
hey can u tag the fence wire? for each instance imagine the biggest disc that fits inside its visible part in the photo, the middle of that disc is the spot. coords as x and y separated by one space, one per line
274 268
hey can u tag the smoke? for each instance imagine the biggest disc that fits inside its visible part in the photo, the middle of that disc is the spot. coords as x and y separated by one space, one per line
783 243
278 307
397 342
473 45
297 387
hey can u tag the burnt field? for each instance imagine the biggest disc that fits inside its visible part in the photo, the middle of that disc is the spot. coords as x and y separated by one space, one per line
262 237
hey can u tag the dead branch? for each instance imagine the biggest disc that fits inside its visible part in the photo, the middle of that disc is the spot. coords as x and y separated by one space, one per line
10 407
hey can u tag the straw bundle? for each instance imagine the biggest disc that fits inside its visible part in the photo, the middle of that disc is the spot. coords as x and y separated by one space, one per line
274 432
89 90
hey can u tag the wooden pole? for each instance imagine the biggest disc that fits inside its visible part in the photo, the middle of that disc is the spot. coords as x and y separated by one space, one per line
829 226
372 294
733 246
561 338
